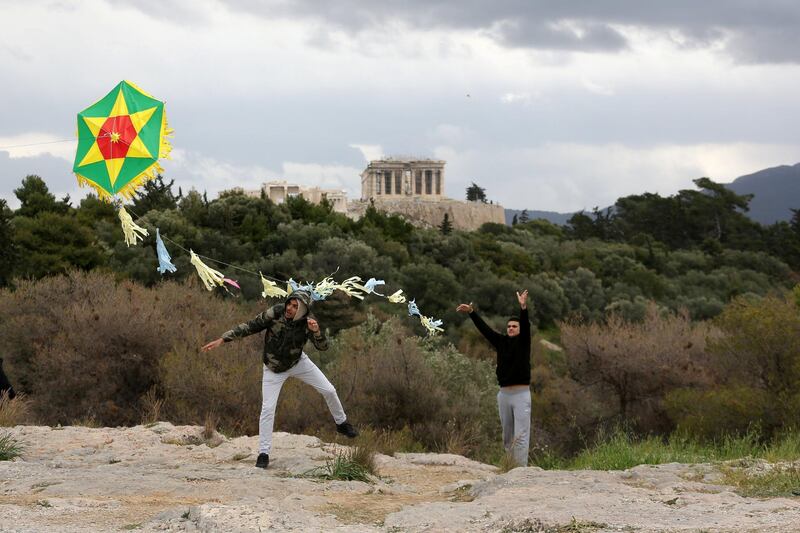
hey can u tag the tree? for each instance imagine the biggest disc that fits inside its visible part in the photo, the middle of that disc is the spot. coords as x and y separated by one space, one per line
7 246
446 227
523 217
476 193
35 198
514 220
155 194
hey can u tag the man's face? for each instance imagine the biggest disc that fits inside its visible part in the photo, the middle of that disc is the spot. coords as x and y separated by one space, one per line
291 308
512 328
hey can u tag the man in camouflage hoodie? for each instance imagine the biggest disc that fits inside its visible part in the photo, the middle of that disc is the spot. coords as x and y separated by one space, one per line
288 326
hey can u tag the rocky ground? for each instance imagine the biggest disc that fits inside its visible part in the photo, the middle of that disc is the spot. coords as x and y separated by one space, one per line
166 478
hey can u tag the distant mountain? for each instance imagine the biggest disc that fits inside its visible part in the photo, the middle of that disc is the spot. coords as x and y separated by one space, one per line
776 191
552 216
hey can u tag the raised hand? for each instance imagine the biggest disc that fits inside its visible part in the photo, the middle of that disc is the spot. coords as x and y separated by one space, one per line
211 345
313 326
465 308
522 297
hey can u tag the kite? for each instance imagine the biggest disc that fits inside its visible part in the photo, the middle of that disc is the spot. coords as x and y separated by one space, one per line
120 140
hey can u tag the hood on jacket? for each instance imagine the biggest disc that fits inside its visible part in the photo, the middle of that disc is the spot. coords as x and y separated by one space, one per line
304 301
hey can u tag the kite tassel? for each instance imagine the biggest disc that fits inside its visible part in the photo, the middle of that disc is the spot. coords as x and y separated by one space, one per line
130 229
397 297
433 326
211 278
271 288
164 260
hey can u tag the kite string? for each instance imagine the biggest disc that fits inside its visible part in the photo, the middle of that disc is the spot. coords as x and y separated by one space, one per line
35 144
430 324
257 274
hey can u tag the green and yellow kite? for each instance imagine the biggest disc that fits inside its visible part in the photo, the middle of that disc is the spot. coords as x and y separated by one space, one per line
120 139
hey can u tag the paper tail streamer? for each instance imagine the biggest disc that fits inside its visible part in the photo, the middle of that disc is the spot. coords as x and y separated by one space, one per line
232 283
352 287
271 288
130 229
433 326
371 283
397 297
211 278
323 289
413 310
164 260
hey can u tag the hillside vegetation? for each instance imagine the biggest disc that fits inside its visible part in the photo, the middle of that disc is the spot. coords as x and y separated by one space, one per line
676 316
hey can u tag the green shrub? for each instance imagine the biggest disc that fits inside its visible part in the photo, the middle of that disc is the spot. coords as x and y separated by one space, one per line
720 411
10 448
355 464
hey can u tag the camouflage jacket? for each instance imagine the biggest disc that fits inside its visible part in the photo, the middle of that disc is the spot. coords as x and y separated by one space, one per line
284 338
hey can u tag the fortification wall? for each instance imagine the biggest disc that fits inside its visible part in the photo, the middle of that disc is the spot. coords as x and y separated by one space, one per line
426 213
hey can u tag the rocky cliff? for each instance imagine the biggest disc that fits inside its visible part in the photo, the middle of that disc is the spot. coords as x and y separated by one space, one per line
426 213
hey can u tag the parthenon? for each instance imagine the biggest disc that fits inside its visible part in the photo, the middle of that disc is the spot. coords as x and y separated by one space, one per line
396 178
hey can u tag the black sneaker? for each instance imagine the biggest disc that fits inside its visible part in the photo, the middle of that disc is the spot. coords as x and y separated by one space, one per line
262 461
347 429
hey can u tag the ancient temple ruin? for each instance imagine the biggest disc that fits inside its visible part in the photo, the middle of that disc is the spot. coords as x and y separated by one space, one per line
395 178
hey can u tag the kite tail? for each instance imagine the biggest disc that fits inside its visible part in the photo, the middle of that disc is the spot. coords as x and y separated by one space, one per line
129 228
211 278
271 288
397 297
433 326
164 260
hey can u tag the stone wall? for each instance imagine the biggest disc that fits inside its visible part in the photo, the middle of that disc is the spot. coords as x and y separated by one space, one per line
426 213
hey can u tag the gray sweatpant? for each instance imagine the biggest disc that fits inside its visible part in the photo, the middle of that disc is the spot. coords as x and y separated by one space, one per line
515 417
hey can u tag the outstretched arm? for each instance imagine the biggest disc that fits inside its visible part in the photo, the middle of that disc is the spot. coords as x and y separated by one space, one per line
524 321
216 343
491 335
259 323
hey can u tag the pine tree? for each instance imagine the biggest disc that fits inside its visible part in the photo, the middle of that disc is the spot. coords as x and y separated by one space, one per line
523 217
476 193
514 220
446 227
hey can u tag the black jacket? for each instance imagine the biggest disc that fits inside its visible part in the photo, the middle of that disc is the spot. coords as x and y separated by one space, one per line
513 353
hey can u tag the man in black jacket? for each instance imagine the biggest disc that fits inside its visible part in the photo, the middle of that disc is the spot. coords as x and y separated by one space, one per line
288 327
513 375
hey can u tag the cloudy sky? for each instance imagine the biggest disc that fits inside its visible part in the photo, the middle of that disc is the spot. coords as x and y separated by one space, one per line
547 105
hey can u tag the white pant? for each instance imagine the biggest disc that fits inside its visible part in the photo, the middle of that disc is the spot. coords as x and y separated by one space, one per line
306 371
515 417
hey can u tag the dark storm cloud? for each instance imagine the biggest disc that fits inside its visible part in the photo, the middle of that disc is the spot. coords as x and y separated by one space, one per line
763 31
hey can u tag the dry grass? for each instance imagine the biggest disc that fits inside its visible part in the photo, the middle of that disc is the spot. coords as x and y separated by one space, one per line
150 407
14 412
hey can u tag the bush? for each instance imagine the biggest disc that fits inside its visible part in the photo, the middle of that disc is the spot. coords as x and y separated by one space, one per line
756 369
707 414
634 365
10 448
395 382
84 346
